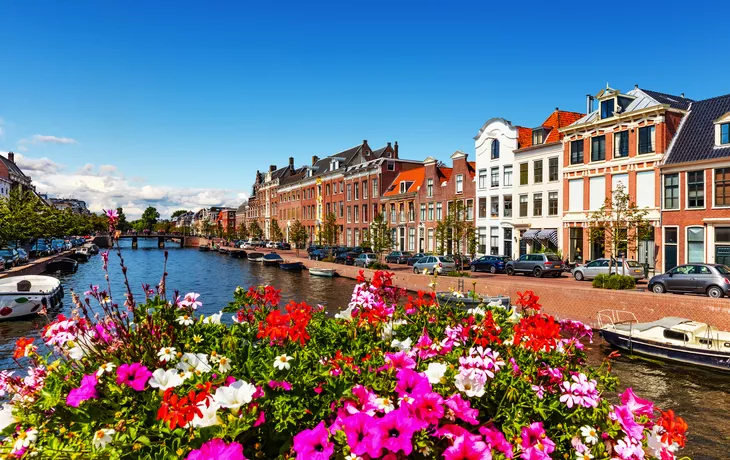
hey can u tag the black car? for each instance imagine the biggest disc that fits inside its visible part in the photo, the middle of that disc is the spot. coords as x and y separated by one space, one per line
319 254
491 264
10 256
397 257
313 247
709 279
347 258
415 258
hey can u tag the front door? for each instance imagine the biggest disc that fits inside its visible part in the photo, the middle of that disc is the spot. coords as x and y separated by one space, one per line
523 245
402 239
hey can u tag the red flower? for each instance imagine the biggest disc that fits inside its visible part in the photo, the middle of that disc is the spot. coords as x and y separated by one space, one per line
537 332
280 328
675 428
177 411
264 296
528 301
487 332
21 347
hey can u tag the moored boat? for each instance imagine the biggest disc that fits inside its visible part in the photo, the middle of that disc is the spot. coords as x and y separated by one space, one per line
670 338
255 256
326 272
472 300
237 253
272 259
203 248
64 264
79 255
222 250
93 249
291 266
27 295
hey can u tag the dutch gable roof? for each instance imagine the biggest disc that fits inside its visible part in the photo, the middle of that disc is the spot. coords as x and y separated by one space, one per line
695 140
640 99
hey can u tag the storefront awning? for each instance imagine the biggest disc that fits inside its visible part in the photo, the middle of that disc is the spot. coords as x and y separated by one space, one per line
548 235
530 234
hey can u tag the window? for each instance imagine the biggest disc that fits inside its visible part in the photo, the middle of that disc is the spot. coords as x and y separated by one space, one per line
507 241
342 209
495 177
342 187
495 149
364 213
482 208
391 165
537 171
494 240
507 176
621 144
598 148
576 152
459 183
552 203
671 191
403 187
327 189
438 211
364 190
538 136
494 206
537 204
349 237
508 206
607 108
349 214
423 212
392 213
696 189
553 169
429 188
482 237
523 174
482 178
695 244
357 214
375 188
725 133
523 205
411 239
722 187
430 212
646 139
357 191
469 210
349 192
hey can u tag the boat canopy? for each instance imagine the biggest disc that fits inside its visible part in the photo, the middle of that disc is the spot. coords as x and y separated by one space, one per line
666 323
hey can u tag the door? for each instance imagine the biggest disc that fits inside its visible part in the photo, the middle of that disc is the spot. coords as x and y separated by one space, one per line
592 269
682 279
702 279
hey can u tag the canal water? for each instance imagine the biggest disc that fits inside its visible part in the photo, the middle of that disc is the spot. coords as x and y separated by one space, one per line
701 397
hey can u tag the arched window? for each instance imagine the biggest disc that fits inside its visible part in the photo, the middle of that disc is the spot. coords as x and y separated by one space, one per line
495 149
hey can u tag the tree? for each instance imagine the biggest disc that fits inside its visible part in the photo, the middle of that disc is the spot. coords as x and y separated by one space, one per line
122 224
275 233
298 235
329 229
178 213
619 224
255 230
380 235
242 232
149 217
456 233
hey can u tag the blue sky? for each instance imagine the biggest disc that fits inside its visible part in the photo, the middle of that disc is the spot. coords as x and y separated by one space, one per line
185 95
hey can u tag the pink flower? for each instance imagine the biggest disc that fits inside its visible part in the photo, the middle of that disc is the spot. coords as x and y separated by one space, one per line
411 383
515 367
399 360
260 420
134 375
535 443
467 448
219 450
87 390
629 449
637 405
286 386
429 407
113 215
394 433
359 431
625 418
104 258
191 300
540 390
582 392
423 345
314 444
496 440
461 409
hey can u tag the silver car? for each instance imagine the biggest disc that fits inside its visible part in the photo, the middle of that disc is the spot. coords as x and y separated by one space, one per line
365 259
603 266
434 264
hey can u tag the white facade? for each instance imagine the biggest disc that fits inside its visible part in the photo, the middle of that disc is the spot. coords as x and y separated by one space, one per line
496 200
4 188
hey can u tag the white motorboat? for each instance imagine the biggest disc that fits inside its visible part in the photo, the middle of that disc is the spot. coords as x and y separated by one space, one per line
255 256
27 295
326 272
670 338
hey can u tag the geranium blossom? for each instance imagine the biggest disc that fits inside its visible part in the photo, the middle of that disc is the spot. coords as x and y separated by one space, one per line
191 301
470 382
579 392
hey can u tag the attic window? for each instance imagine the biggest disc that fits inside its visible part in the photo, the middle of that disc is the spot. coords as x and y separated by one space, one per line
538 136
607 108
391 166
725 134
404 186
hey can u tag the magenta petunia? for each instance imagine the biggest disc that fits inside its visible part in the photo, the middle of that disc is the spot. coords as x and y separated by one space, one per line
399 360
411 383
394 433
467 448
314 444
219 450
429 407
87 390
359 431
636 405
535 443
495 440
461 409
134 375
625 418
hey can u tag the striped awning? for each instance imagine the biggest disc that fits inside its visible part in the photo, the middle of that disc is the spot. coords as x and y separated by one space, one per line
549 234
530 234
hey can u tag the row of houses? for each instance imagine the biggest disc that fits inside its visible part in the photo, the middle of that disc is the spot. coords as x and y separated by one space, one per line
532 188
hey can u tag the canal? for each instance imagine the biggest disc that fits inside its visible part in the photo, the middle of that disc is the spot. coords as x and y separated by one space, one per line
701 397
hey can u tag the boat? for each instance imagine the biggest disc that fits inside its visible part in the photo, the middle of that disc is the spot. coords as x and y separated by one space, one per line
255 256
670 338
291 266
27 295
203 248
93 249
471 300
326 272
237 253
272 259
222 250
64 264
80 254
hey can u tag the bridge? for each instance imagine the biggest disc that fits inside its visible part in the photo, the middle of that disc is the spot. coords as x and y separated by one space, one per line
105 240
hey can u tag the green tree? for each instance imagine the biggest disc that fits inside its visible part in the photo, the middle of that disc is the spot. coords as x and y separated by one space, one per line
255 230
149 217
122 224
275 233
177 213
329 230
298 235
619 224
380 235
242 232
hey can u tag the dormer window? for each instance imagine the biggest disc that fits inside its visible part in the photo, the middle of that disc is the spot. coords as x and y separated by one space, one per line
404 186
725 134
722 131
607 108
309 173
334 164
538 136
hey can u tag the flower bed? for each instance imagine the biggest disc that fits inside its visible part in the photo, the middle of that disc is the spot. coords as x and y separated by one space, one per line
156 380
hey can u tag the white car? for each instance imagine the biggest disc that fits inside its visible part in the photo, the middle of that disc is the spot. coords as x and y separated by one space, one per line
247 245
271 245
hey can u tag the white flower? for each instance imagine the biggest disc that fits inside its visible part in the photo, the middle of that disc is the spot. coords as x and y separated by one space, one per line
25 439
470 384
104 368
103 437
6 416
345 314
185 320
586 455
75 352
162 379
235 395
224 364
458 295
476 311
282 362
166 354
402 345
435 372
352 457
589 434
210 415
384 404
213 319
194 362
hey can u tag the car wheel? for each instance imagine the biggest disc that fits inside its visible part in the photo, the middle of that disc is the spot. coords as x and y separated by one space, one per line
658 289
493 270
473 268
537 272
715 292
415 270
578 276
510 271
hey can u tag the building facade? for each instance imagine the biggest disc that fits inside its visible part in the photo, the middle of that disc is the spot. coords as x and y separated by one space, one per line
399 205
11 176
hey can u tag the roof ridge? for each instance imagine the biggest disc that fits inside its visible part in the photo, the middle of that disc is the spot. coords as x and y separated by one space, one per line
666 94
711 98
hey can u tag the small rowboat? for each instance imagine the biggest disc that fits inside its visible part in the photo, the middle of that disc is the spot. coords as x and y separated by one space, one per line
64 264
222 250
203 248
272 259
255 257
26 295
291 266
237 253
326 272
80 255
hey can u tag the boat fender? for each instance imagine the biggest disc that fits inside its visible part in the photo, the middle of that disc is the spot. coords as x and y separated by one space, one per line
726 344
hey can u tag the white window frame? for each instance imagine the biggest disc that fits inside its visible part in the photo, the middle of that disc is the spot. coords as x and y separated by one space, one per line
459 183
686 244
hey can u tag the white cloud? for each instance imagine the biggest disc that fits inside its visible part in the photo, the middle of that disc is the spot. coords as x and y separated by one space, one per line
41 139
104 187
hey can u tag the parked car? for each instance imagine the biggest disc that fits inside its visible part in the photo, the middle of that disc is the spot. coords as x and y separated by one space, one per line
435 264
40 249
58 245
536 264
319 254
415 258
491 264
365 259
462 260
313 247
606 266
347 258
710 279
2 264
284 246
10 256
22 256
397 257
247 245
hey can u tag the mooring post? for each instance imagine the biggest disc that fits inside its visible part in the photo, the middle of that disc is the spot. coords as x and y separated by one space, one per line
134 242
161 242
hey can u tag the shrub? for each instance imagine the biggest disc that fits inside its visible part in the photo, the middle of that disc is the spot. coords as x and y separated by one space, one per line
457 274
614 281
378 266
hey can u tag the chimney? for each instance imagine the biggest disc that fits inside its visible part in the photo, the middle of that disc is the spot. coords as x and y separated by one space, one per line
272 168
315 159
291 162
11 156
395 154
589 103
365 142
682 95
